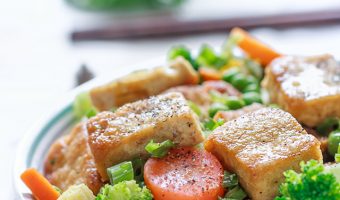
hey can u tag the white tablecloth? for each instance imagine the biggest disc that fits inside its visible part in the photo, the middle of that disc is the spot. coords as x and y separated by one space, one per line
38 63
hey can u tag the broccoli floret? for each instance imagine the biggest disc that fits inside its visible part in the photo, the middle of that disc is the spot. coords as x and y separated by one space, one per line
126 190
311 184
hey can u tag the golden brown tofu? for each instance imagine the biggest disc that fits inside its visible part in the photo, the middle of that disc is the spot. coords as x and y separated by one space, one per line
142 84
233 114
306 87
70 161
260 146
123 135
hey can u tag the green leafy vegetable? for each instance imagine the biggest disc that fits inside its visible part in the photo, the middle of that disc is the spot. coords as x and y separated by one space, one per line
159 150
121 172
312 183
82 106
194 107
333 142
126 190
236 193
328 125
180 50
229 180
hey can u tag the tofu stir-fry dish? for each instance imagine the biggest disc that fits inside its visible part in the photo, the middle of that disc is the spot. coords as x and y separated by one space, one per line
240 122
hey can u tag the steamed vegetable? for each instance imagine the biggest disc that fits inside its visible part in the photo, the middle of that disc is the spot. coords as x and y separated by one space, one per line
184 174
311 183
159 150
126 190
254 48
39 185
77 192
333 142
121 172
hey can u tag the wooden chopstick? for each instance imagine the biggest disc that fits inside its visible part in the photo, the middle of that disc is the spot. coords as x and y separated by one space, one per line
152 28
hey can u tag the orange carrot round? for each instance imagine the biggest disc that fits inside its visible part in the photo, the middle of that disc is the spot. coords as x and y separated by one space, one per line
209 74
253 47
39 185
184 174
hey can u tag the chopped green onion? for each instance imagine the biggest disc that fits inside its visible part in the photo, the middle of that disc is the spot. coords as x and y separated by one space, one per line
229 180
82 105
251 97
237 193
333 142
180 50
328 125
159 150
207 57
254 68
91 113
234 103
138 169
215 107
217 97
194 107
211 124
120 172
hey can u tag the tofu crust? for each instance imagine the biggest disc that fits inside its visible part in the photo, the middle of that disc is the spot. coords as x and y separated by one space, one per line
306 87
260 146
70 161
120 136
143 84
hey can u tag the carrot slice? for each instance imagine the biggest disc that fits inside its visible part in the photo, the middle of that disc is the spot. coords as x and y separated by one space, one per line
39 185
184 174
209 74
255 48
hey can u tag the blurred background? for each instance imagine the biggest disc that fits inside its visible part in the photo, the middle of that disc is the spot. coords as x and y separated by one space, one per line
43 44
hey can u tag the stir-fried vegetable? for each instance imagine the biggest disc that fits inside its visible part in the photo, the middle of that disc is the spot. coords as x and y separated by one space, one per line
333 142
159 150
194 107
253 47
77 192
235 192
126 190
209 74
215 107
39 185
180 50
251 97
337 155
311 183
121 172
211 124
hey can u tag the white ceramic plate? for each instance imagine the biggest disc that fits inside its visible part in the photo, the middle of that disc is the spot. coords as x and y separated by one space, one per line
34 146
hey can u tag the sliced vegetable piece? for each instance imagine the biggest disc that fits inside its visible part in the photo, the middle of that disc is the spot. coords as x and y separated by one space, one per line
77 192
39 185
234 103
180 50
211 124
209 74
333 142
121 172
215 107
185 174
82 106
208 58
159 150
229 180
337 156
237 193
228 75
254 48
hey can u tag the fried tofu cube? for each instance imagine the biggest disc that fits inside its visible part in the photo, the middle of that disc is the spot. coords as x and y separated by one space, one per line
306 87
260 146
70 162
123 135
143 84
